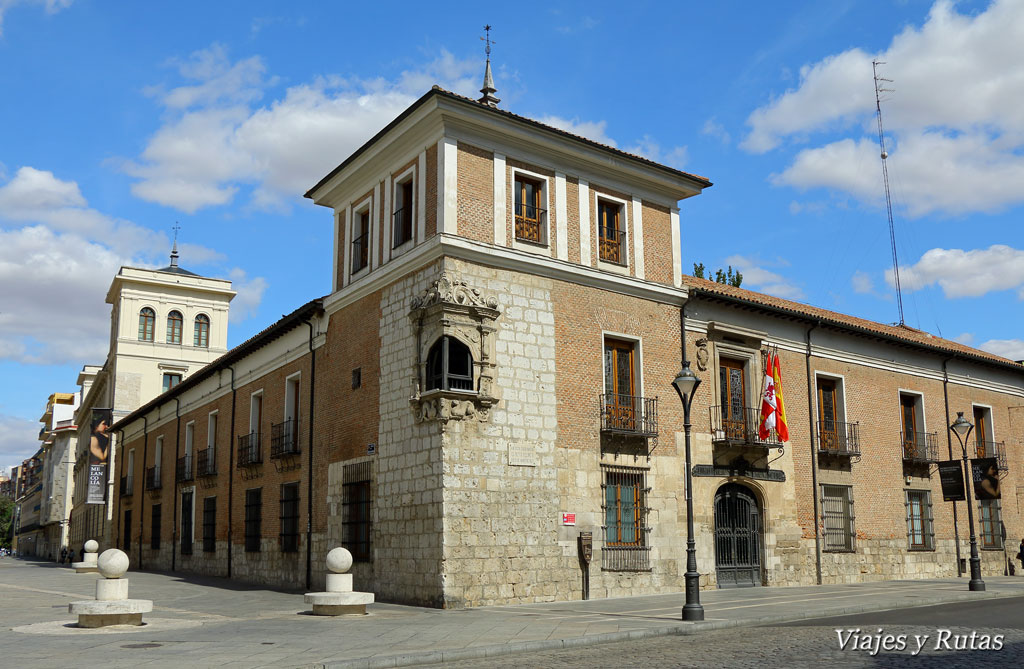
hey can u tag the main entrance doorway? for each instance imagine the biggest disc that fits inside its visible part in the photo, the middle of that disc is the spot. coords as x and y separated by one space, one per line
737 537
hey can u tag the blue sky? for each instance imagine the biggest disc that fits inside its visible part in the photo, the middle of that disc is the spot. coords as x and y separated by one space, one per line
121 118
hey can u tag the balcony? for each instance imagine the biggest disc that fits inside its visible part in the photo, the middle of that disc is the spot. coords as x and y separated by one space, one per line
840 439
205 463
611 246
126 486
184 469
919 447
528 224
629 415
402 230
249 452
737 426
992 449
284 439
153 478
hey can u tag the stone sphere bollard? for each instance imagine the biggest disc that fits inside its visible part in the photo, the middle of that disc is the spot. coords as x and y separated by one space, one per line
339 599
91 546
112 563
339 560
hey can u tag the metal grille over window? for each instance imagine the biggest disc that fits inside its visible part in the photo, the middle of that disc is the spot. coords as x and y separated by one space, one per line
289 517
154 527
209 524
625 512
920 531
991 525
357 500
186 523
837 517
253 518
449 365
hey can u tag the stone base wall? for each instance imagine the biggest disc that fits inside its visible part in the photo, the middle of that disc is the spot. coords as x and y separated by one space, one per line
214 563
269 566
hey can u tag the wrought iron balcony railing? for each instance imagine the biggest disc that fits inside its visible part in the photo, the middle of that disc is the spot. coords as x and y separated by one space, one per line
184 469
919 447
206 465
612 245
360 252
992 449
836 438
738 426
629 415
528 223
126 486
249 452
153 478
284 439
402 230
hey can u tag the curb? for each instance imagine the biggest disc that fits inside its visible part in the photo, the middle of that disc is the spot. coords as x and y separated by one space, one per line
681 629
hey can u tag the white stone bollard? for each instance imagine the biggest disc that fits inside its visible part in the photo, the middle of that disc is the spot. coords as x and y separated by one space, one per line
88 563
340 599
111 606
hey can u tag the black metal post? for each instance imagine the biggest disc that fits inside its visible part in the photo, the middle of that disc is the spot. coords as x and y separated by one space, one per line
692 610
975 584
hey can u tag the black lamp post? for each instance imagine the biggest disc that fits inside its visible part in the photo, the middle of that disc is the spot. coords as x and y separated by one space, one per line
686 383
962 429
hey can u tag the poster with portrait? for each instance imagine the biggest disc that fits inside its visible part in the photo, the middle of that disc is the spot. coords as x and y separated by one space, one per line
99 455
985 477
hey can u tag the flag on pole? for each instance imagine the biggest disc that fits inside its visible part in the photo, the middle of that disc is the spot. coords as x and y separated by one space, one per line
767 423
780 407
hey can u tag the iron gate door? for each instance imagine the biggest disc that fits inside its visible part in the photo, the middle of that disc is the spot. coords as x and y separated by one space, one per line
737 537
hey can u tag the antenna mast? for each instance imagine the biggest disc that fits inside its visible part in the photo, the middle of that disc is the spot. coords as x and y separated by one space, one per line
885 178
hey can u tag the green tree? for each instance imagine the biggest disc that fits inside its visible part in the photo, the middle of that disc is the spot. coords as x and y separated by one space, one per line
6 514
730 278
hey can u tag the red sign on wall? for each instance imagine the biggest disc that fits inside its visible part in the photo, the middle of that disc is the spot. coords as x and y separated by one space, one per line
568 518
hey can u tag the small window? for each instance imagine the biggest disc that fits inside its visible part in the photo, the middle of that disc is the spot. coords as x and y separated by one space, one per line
201 332
186 523
154 527
357 377
991 524
402 231
449 365
529 216
147 323
356 514
289 517
209 524
361 241
611 232
919 520
837 518
174 325
253 519
171 380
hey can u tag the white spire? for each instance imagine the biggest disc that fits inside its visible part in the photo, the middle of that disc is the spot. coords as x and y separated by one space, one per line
488 90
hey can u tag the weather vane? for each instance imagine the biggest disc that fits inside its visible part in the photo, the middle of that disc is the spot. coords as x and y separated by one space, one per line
488 40
175 227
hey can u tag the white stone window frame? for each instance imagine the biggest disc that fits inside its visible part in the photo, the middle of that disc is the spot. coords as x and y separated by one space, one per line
544 247
209 329
753 374
156 319
990 427
625 212
638 360
411 174
364 206
255 428
841 414
296 378
927 520
919 408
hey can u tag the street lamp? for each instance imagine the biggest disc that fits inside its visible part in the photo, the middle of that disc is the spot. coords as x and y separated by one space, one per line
961 427
686 383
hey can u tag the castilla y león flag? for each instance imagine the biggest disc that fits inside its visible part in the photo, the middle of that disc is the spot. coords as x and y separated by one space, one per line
780 406
767 423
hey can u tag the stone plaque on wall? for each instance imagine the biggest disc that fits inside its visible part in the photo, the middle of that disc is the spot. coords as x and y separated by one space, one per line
522 455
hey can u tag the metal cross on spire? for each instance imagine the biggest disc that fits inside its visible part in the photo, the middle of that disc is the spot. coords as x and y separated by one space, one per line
174 249
488 90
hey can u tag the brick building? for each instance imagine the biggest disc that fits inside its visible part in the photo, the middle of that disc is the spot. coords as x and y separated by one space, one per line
491 376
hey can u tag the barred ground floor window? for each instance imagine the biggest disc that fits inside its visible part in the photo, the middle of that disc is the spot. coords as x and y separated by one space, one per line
186 522
920 532
625 519
289 517
837 518
357 502
209 524
127 542
154 526
253 518
990 517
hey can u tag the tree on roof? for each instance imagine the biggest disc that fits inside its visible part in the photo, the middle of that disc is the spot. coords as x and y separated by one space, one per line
730 278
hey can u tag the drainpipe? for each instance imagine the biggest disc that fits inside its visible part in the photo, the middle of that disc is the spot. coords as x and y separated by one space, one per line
174 485
949 446
231 460
309 490
120 512
142 483
814 456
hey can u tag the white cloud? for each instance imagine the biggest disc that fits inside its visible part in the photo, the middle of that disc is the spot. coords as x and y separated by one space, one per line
19 440
756 277
250 294
965 338
51 7
963 273
862 283
649 148
712 128
955 128
593 130
1008 348
217 141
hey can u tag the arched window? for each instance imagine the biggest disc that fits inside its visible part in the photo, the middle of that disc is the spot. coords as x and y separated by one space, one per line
174 324
449 365
201 333
147 321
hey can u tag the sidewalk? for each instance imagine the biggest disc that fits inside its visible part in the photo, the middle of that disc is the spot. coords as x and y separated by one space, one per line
205 622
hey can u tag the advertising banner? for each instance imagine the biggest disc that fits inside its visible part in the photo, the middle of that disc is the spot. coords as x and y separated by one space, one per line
951 475
985 478
99 455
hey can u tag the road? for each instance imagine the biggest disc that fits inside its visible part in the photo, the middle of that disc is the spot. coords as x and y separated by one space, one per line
813 643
